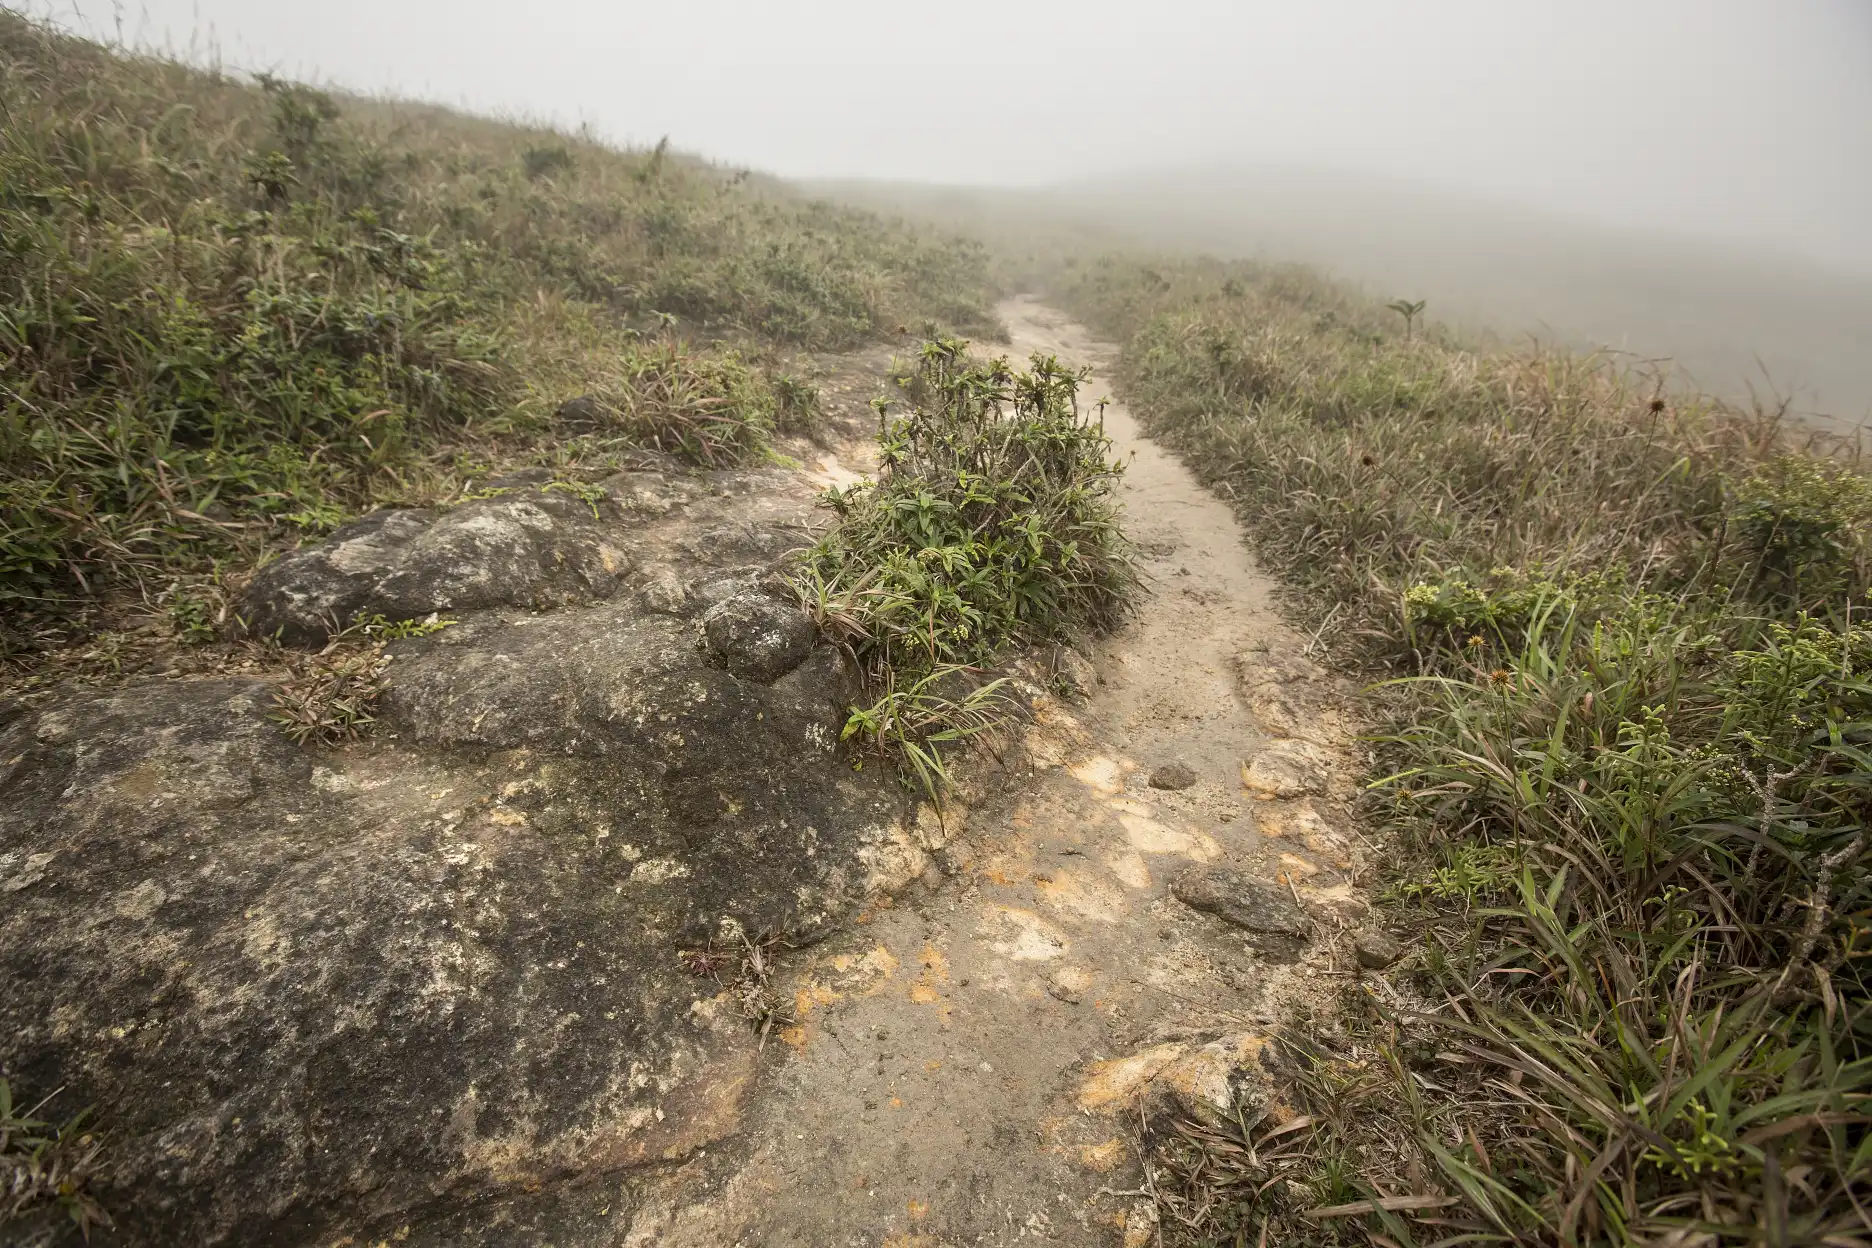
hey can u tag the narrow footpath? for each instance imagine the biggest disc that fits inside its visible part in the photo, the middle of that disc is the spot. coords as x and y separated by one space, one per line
966 1064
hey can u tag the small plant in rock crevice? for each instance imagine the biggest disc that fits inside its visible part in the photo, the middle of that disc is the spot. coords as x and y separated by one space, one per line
331 696
743 966
45 1166
992 525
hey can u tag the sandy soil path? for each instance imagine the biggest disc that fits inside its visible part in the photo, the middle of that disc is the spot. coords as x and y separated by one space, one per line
964 1061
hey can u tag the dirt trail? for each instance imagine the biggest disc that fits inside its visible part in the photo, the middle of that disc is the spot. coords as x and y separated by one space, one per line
963 1061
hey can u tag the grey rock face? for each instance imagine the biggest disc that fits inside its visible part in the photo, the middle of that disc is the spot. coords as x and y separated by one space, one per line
324 993
1274 924
663 591
757 636
531 547
583 413
304 595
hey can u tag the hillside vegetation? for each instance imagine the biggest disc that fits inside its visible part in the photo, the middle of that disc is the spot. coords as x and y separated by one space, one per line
1629 767
235 313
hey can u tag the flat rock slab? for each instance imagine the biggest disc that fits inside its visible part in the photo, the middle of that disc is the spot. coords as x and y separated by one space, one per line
1271 919
1289 768
528 547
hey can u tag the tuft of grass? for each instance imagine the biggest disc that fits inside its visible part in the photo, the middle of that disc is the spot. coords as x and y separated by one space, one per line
1629 771
236 312
43 1166
743 966
332 696
712 409
992 525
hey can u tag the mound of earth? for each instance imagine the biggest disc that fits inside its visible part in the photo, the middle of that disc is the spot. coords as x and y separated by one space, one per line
325 992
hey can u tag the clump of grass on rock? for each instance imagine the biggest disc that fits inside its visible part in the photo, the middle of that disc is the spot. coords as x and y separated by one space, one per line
992 526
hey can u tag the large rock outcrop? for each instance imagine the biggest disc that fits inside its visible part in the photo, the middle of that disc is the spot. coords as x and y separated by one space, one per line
530 547
326 992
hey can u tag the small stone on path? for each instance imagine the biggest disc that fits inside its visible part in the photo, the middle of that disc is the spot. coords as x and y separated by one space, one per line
1173 776
1375 951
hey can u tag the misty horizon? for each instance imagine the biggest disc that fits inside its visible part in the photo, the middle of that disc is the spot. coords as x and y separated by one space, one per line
1725 123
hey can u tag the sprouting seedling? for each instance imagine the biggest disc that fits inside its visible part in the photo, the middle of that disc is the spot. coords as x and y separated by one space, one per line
1409 311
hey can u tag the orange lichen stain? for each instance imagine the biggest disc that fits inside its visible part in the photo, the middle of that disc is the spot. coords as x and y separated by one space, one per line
1082 894
932 1065
811 995
927 990
931 986
1104 1157
995 875
879 961
1113 1082
1298 866
794 1035
1101 774
919 1209
896 1102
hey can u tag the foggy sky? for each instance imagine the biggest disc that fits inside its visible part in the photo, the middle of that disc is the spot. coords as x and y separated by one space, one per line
1746 120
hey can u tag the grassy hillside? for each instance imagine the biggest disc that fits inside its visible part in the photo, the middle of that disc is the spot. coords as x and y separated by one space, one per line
1629 769
233 313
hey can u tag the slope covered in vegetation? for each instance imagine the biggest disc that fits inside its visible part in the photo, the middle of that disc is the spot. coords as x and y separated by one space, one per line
1630 763
235 312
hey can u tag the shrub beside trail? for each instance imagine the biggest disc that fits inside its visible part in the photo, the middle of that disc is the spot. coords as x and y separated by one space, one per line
992 525
1629 771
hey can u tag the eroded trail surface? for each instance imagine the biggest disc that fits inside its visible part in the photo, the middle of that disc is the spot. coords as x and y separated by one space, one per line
963 1062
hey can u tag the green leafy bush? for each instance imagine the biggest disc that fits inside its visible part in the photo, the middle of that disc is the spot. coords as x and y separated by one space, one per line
992 525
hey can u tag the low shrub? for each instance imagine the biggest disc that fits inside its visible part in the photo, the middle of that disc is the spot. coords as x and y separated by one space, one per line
992 525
